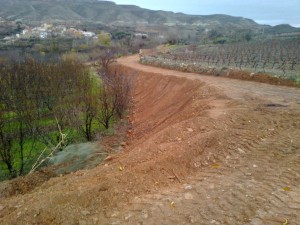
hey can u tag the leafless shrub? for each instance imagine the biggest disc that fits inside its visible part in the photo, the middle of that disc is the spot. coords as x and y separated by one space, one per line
115 85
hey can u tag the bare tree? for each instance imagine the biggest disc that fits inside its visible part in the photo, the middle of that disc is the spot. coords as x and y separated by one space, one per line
116 85
122 86
107 57
88 105
107 105
35 96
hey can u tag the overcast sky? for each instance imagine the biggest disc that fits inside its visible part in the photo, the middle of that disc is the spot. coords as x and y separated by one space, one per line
270 12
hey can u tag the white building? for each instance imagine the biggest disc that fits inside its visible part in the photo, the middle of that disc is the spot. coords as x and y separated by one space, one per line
140 35
43 35
88 34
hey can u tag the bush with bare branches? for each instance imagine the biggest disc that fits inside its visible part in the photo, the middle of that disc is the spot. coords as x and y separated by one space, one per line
117 85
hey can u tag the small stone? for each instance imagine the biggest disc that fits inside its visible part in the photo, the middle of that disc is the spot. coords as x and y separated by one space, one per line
108 158
123 143
128 217
196 165
115 214
190 219
85 212
1 207
188 187
255 166
172 204
202 128
115 223
82 222
145 214
241 151
95 220
190 130
188 196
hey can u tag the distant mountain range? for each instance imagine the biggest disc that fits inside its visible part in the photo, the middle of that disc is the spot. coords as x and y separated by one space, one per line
110 14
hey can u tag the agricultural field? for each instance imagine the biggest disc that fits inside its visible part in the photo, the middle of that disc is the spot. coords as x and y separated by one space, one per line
279 58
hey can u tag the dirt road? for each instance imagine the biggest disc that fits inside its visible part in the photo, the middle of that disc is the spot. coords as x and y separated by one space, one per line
202 150
256 179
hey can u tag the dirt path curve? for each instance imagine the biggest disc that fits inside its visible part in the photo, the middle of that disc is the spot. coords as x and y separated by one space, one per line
201 150
254 179
236 89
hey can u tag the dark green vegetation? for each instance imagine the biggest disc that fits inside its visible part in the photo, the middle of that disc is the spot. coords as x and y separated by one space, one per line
48 104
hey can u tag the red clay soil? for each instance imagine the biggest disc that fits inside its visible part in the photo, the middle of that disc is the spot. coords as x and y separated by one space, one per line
203 150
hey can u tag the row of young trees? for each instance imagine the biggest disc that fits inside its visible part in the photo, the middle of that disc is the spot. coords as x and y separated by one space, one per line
280 55
41 100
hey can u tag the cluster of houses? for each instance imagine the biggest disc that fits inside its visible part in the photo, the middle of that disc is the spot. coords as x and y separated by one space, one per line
48 30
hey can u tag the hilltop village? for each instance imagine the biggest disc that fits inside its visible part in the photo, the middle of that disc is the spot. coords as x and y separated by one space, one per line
49 31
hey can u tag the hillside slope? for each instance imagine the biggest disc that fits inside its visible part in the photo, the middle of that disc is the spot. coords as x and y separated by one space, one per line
109 13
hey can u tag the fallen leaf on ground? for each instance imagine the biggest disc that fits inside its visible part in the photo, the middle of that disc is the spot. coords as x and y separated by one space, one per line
215 166
286 189
286 222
